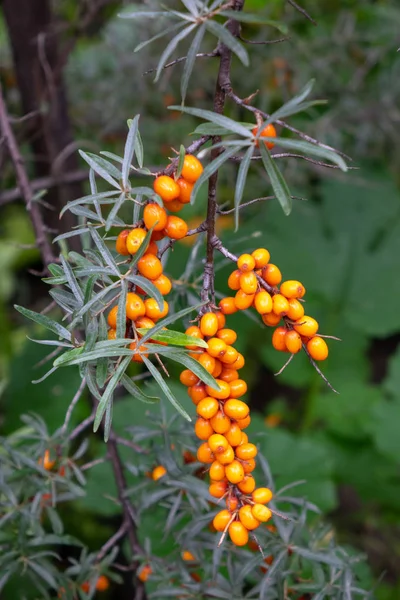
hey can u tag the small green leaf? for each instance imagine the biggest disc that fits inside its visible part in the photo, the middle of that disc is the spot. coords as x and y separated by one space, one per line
211 168
97 165
208 115
229 40
45 322
164 387
171 47
170 319
133 389
278 183
90 199
129 150
212 129
104 251
148 287
241 182
121 315
190 60
139 149
114 211
189 362
175 338
313 149
159 35
107 396
182 154
78 356
72 282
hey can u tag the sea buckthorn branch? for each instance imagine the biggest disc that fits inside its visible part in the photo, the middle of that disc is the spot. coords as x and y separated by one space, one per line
191 149
302 10
212 54
276 155
263 42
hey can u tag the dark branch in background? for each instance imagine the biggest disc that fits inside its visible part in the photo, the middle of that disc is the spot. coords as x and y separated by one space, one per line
302 11
25 188
43 183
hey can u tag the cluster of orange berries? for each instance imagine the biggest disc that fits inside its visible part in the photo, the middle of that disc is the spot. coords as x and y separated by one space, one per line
254 271
144 313
222 418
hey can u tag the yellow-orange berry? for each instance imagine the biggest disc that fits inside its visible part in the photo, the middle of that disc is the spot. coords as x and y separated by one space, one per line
222 519
248 282
112 317
194 331
192 168
245 422
218 489
232 503
152 248
271 319
296 310
135 239
204 454
218 443
227 335
249 465
220 394
292 289
176 228
46 462
112 334
239 362
102 583
293 341
209 324
163 284
230 356
246 451
138 352
234 435
217 471
236 409
144 323
225 458
166 187
234 472
154 216
246 262
175 206
238 533
220 422
248 484
238 388
262 495
188 556
207 361
207 407
221 319
198 392
278 339
261 257
216 347
203 429
280 305
153 310
261 513
234 280
135 306
317 348
227 305
188 378
268 131
263 302
158 472
271 274
150 266
144 573
244 439
306 326
186 189
247 519
217 369
120 244
243 300
229 375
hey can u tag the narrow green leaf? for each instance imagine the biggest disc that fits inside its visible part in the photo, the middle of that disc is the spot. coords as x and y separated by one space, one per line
291 104
90 199
45 322
102 363
139 149
313 149
170 319
182 154
191 59
68 234
229 40
72 282
164 387
121 315
133 389
129 150
191 6
92 331
144 14
258 19
175 338
68 358
104 251
241 182
211 168
159 35
91 382
64 299
278 183
108 420
212 129
93 189
99 168
45 376
192 364
208 115
171 47
148 287
50 343
114 211
96 298
107 396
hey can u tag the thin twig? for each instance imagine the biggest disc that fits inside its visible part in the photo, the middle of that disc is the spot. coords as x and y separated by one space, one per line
94 463
316 367
263 42
302 11
110 543
72 405
318 163
81 427
43 183
130 444
262 199
183 58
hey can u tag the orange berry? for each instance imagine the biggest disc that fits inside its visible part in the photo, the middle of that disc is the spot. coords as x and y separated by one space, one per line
218 443
227 305
102 583
238 533
204 454
185 192
222 519
230 356
217 369
248 484
236 409
261 257
166 187
217 471
244 439
194 332
238 388
229 375
144 573
280 305
239 362
150 266
188 556
203 429
152 248
192 168
261 513
227 335
232 503
158 472
248 282
271 274
135 307
278 339
221 319
225 458
207 407
112 317
135 239
112 334
243 300
318 348
262 495
175 206
218 489
120 244
207 361
234 280
188 378
155 216
198 392
46 462
138 352
268 131
292 289
176 228
271 319
246 262
306 326
209 324
246 451
153 310
216 347
249 465
234 435
220 394
163 284
220 422
296 310
234 472
263 302
243 423
293 341
156 236
144 323
247 519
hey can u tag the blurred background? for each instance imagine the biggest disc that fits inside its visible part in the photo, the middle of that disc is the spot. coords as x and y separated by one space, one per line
71 80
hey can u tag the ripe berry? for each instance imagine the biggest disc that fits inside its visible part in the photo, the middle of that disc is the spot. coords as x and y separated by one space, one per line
278 339
194 332
209 324
261 513
296 310
207 361
144 323
238 388
227 335
263 302
225 458
218 489
247 519
138 352
271 274
261 257
222 519
306 326
112 317
243 300
207 407
166 188
268 131
46 462
218 443
150 266
245 422
218 368
175 206
188 556
198 392
176 228
102 583
230 356
238 533
317 348
120 244
262 495
135 239
249 465
203 429
192 168
234 435
163 284
153 310
154 216
248 484
135 306
246 451
236 409
234 472
232 503
220 422
152 248
293 341
292 289
244 439
204 454
246 262
229 375
158 472
216 347
185 190
188 378
221 319
220 394
271 319
217 471
280 305
112 334
234 280
239 362
248 282
227 306
144 573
